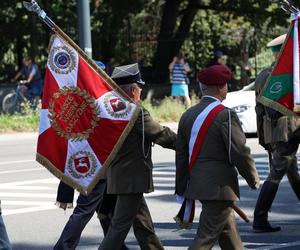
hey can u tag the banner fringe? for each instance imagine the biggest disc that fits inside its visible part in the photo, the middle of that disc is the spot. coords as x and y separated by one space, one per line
182 224
63 205
274 105
297 108
101 174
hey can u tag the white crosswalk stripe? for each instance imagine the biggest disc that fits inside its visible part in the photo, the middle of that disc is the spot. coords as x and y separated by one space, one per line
39 194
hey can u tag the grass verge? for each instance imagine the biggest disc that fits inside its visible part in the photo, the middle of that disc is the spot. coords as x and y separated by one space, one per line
19 123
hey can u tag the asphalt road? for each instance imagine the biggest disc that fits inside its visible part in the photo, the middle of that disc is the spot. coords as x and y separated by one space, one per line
28 192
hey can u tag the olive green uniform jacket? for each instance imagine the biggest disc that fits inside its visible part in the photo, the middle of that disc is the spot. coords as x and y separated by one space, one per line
131 170
215 172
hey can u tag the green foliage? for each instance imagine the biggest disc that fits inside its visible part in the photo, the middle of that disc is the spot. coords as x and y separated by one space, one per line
122 27
19 123
27 120
167 110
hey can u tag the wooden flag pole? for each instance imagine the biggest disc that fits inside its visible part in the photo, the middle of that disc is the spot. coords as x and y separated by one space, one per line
240 212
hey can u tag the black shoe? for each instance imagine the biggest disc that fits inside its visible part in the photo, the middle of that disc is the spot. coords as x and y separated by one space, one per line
264 228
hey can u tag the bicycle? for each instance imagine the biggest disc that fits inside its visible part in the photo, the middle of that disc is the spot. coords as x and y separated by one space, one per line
12 102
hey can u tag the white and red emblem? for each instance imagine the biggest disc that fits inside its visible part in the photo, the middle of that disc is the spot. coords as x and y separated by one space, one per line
82 164
116 106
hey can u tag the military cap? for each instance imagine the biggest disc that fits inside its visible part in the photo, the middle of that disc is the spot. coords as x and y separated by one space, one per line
127 74
215 75
276 43
100 64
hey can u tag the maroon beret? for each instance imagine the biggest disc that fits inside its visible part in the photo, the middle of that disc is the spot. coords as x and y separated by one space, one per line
215 75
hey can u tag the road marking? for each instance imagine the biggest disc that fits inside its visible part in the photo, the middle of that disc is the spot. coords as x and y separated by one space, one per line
15 162
32 188
30 195
52 180
279 245
27 210
21 170
26 203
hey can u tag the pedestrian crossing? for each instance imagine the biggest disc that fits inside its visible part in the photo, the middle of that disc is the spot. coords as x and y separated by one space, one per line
40 194
28 196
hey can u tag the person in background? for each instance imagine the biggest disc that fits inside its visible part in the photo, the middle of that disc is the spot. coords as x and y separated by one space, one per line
110 66
32 86
218 58
178 73
245 69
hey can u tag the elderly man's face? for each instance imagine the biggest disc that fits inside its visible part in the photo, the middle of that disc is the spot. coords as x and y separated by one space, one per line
136 91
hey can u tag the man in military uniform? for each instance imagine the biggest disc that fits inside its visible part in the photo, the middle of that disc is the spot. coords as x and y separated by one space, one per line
130 173
276 135
210 151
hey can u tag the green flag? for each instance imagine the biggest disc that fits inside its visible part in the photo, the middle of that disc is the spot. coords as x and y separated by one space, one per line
281 91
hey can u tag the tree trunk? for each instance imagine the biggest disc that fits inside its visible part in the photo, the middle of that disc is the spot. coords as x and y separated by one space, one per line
33 38
184 28
19 49
163 52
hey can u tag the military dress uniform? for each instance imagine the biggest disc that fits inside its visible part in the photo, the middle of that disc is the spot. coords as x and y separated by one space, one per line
130 175
214 178
276 133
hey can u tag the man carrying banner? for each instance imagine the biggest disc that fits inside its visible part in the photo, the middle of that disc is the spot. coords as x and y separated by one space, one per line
210 148
276 135
130 174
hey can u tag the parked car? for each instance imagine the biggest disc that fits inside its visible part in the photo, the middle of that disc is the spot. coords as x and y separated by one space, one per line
243 103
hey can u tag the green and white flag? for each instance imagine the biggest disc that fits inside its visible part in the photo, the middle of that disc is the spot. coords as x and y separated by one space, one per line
282 91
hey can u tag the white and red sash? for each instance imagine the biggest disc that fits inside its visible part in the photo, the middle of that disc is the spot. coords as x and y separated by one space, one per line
200 127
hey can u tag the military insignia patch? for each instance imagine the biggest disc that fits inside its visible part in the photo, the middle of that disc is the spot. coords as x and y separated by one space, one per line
276 88
73 113
82 164
116 106
62 60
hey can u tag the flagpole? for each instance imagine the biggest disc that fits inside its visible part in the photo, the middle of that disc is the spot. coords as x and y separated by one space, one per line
33 6
296 86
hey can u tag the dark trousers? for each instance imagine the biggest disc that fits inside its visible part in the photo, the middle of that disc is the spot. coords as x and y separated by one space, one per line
131 209
217 222
83 212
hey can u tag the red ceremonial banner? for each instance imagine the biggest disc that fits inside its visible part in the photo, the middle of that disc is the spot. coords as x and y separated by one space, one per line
84 119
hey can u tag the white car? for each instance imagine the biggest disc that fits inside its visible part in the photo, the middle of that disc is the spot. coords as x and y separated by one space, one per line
243 103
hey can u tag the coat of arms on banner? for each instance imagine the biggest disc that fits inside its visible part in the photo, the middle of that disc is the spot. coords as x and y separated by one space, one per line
84 119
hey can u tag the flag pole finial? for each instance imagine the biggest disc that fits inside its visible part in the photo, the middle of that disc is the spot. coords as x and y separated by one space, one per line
288 6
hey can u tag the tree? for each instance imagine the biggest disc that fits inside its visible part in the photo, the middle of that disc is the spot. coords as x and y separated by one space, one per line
178 17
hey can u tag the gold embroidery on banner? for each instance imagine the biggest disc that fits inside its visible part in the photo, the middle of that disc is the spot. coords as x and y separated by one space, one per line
72 111
122 107
86 160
